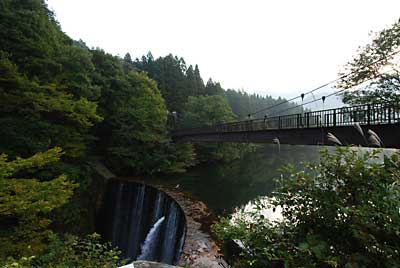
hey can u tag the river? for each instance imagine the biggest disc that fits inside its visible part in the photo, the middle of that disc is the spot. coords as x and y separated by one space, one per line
225 186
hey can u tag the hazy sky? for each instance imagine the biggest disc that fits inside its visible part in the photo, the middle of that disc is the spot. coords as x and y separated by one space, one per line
269 47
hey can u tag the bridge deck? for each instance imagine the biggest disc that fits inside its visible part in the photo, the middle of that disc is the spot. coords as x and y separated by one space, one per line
309 128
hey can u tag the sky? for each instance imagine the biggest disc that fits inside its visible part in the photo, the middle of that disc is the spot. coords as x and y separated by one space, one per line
279 48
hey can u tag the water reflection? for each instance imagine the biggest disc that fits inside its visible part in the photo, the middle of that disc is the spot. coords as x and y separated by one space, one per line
226 186
223 187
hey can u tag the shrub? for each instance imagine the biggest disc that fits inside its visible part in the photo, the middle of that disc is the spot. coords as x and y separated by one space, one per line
340 212
71 252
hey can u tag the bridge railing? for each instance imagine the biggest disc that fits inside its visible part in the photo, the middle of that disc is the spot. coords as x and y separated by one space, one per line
367 114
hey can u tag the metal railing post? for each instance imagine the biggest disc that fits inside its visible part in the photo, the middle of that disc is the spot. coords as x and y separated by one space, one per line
308 120
279 122
368 114
334 117
327 121
298 120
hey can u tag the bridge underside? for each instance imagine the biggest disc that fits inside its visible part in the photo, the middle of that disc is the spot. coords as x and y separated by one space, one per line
347 135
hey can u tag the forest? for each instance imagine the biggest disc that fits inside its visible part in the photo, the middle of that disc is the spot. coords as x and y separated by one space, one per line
64 106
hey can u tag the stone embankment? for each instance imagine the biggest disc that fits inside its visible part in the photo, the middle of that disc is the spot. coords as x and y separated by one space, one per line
148 264
200 250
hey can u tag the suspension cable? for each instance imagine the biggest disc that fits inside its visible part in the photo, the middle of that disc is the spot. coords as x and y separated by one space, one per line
324 85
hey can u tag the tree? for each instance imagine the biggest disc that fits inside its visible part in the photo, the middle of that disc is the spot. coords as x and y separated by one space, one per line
47 114
133 135
340 212
49 75
34 40
203 111
375 71
28 201
138 124
175 81
127 63
70 251
191 81
213 88
55 92
199 80
206 111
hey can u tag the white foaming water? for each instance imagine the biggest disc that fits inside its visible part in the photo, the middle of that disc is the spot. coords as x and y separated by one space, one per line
272 213
150 241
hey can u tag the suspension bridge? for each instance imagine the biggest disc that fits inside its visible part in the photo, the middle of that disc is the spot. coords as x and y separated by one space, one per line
370 125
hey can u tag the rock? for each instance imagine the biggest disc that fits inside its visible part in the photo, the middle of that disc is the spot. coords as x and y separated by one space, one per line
205 262
148 264
199 250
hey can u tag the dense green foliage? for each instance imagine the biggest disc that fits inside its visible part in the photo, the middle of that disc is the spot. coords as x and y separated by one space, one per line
58 94
71 252
207 111
380 81
38 116
175 81
340 212
29 201
54 90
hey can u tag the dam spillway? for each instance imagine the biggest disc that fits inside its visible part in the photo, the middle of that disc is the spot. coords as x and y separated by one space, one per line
128 214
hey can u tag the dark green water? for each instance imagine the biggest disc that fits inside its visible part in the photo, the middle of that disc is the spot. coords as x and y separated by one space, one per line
224 187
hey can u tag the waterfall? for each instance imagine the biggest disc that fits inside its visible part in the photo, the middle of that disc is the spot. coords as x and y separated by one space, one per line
135 225
180 244
117 212
169 241
151 242
158 206
129 210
